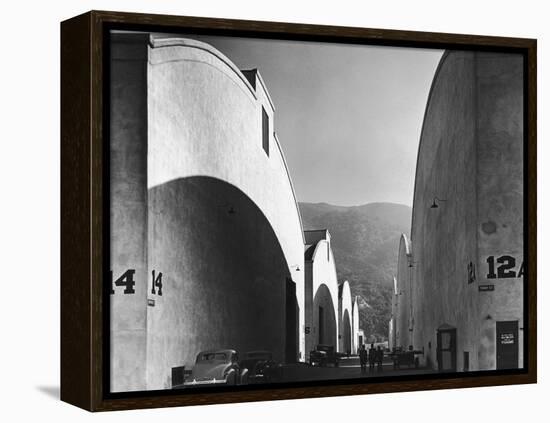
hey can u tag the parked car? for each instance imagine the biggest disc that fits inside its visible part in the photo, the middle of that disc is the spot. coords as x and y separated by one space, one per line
323 355
219 367
408 358
259 367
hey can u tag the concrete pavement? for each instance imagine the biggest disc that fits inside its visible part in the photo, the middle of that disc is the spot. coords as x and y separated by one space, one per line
349 368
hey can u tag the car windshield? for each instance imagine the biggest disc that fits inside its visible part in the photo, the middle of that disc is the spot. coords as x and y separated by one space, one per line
216 356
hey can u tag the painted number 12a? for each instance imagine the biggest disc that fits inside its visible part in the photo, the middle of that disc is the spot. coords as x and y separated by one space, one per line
503 267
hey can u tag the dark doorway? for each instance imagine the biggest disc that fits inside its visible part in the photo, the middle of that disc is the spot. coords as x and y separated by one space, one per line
466 361
346 336
325 322
292 334
321 325
507 345
446 349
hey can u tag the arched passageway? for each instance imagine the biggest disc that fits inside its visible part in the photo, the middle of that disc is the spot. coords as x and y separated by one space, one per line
220 290
346 333
324 317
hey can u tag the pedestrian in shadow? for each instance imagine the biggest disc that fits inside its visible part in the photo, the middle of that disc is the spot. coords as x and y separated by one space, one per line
379 358
372 358
363 358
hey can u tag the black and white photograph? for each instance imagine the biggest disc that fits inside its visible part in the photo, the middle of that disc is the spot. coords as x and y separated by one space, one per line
291 211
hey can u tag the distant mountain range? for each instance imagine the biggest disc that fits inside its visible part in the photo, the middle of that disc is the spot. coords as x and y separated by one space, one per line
365 242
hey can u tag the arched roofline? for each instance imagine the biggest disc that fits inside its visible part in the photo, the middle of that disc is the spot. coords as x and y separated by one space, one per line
428 101
315 250
342 287
291 185
333 267
345 305
159 42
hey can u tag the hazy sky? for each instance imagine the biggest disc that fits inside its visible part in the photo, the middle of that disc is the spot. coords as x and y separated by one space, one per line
348 117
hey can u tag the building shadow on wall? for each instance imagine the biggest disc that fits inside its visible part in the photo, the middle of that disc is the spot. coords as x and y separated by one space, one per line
225 276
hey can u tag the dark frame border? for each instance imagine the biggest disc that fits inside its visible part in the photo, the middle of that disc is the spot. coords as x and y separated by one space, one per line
84 168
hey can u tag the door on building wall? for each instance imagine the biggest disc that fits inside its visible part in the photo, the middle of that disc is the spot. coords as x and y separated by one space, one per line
321 325
446 349
507 345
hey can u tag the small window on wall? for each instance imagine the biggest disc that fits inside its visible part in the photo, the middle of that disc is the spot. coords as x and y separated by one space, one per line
265 131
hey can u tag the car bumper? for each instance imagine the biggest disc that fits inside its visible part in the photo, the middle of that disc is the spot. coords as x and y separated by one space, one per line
205 382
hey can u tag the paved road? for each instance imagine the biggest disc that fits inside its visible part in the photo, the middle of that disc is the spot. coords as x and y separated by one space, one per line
348 368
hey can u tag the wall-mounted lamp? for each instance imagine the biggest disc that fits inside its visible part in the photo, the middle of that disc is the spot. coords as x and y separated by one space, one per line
434 204
295 267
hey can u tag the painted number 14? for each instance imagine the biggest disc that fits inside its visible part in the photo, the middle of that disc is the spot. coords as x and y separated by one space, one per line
127 281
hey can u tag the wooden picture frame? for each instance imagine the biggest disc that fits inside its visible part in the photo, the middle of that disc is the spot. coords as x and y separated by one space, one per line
84 208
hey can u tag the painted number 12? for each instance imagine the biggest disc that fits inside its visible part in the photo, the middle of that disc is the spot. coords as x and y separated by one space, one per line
503 267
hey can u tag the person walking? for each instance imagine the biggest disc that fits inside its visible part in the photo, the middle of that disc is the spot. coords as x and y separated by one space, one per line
363 358
372 358
379 358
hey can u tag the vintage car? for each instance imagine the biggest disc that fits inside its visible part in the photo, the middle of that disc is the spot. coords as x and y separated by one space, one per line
220 367
405 358
323 355
259 367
